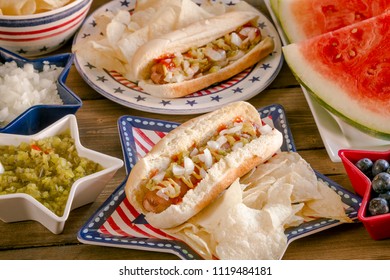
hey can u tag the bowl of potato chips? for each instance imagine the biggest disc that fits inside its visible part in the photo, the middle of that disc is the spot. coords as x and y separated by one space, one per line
36 27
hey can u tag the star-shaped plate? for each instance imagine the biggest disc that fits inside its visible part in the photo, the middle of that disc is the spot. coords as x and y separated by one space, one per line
377 226
20 206
116 223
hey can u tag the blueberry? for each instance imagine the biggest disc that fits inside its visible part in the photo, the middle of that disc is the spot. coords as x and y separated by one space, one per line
386 196
380 165
365 165
381 182
378 206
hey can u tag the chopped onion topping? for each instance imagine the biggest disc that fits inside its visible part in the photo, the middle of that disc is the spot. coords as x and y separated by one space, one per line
1 168
214 54
161 193
178 170
236 40
189 166
237 146
250 32
265 129
234 129
208 159
158 177
215 145
194 152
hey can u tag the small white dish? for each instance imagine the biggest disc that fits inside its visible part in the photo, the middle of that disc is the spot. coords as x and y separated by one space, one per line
21 206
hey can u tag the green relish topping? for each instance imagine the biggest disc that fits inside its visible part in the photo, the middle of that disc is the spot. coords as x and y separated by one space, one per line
45 169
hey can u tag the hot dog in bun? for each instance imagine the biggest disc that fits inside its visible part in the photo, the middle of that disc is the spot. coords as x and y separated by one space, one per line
197 161
206 52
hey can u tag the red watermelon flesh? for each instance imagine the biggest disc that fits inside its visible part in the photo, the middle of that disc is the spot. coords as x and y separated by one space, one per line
348 71
302 19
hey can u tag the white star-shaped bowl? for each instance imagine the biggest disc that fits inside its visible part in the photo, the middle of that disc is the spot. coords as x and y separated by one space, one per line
21 207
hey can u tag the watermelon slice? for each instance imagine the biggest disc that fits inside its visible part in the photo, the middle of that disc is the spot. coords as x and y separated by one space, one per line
348 72
275 7
302 19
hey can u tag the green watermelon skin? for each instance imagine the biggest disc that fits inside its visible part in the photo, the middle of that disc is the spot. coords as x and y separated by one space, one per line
348 72
303 19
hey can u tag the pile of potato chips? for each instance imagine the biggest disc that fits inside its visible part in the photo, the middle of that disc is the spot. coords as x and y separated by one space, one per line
120 33
249 220
29 7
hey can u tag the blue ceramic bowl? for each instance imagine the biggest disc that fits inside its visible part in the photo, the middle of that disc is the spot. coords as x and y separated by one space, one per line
39 117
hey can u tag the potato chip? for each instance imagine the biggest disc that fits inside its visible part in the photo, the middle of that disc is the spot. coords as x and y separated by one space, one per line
295 220
196 237
48 5
209 216
264 209
279 203
190 13
329 206
20 7
259 240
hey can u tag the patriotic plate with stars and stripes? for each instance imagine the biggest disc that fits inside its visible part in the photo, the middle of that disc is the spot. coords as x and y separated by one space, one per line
117 224
115 87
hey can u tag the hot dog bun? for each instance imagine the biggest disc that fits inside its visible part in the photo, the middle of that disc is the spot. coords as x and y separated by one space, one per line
218 177
194 36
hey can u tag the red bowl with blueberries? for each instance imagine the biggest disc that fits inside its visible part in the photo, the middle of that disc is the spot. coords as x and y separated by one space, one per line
369 173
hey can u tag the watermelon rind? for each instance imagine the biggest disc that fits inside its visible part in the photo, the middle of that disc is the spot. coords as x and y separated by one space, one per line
275 7
288 22
347 109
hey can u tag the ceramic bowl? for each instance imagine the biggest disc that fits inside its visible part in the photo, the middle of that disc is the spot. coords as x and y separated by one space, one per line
38 117
377 226
21 206
42 33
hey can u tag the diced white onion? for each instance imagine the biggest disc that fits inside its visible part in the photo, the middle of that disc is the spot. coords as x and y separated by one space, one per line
214 54
1 168
236 40
178 170
23 87
161 193
232 130
265 129
194 152
189 166
158 177
214 145
237 146
222 140
208 159
248 32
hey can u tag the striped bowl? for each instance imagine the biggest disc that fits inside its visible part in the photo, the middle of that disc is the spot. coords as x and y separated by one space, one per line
38 34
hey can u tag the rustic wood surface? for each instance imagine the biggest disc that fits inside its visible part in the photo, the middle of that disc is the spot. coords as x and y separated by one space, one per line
97 120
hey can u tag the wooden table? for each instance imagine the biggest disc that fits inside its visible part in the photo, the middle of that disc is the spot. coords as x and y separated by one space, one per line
97 120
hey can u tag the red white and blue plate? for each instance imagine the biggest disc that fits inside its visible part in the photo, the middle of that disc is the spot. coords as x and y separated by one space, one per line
115 87
117 224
